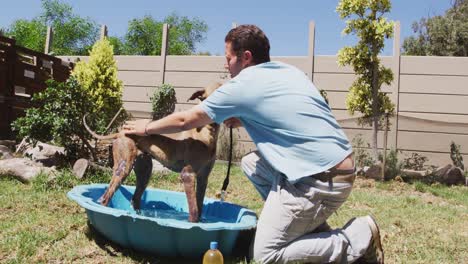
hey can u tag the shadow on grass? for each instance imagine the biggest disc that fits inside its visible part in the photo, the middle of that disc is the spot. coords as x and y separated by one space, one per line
114 249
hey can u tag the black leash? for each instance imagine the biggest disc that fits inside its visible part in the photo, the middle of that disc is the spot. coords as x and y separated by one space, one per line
226 180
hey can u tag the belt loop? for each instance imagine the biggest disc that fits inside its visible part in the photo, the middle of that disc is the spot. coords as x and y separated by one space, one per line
330 182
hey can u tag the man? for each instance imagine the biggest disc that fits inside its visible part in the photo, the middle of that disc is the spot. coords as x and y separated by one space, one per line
302 168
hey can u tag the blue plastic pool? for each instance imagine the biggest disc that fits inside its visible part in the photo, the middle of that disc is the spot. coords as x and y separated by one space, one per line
161 227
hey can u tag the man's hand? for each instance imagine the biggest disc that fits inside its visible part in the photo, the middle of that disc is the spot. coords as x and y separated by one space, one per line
232 122
137 127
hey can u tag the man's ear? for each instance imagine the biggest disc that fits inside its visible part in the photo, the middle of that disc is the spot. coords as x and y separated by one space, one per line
247 58
198 94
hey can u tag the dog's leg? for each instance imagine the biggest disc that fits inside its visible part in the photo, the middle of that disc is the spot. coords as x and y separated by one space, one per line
188 179
202 182
125 152
143 169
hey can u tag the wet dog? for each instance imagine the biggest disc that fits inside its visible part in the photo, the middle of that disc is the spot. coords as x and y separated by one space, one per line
191 152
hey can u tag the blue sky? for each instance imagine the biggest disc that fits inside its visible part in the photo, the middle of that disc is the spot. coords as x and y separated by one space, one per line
284 22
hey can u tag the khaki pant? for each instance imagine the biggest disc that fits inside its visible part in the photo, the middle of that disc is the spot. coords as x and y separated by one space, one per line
293 211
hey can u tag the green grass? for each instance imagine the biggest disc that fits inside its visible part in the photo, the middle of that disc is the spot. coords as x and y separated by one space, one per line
38 224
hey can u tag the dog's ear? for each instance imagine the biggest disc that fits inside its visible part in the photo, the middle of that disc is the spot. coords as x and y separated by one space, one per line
198 94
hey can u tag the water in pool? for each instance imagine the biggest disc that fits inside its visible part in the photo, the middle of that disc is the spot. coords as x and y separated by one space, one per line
176 215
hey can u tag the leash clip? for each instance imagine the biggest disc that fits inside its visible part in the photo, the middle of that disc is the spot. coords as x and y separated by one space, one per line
223 195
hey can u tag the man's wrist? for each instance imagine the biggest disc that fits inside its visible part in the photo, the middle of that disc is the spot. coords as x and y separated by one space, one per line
146 129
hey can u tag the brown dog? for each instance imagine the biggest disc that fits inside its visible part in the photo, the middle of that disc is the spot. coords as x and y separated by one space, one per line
191 152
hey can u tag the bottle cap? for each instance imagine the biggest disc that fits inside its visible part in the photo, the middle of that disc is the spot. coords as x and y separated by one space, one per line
213 245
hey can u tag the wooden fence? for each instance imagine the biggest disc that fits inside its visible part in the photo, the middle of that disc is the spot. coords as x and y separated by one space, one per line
430 93
23 72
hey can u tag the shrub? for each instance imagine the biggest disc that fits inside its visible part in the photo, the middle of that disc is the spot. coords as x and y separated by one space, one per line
163 101
57 117
324 94
362 157
392 166
98 77
415 162
455 155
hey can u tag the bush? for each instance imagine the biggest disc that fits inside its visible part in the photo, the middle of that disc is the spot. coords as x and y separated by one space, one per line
93 88
415 162
57 117
98 77
455 155
362 157
163 101
392 166
324 94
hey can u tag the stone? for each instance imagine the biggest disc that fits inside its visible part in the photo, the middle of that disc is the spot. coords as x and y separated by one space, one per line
5 152
374 172
23 169
159 168
47 154
455 176
82 166
8 143
79 168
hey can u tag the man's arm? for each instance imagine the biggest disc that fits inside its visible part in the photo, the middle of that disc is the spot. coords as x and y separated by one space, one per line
173 123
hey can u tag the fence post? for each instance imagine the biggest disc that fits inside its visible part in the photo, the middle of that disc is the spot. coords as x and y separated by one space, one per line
49 37
165 40
311 50
395 97
103 31
384 160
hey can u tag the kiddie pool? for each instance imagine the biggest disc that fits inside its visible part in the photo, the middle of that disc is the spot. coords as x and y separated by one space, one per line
168 234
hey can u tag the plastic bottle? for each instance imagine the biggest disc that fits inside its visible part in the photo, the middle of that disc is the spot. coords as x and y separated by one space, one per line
213 255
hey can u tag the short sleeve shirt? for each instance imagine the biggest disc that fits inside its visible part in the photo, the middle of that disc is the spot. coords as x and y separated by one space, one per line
286 117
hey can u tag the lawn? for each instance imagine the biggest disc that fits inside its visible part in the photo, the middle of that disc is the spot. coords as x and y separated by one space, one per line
38 223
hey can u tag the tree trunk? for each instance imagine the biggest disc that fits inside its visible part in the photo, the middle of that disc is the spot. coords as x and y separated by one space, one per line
375 105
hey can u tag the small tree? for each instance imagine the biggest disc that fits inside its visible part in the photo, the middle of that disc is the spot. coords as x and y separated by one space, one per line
98 77
365 19
163 101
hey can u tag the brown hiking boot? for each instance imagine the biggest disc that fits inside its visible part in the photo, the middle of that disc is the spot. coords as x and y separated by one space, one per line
374 253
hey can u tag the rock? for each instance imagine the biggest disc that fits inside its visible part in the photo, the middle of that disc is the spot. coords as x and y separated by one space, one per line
449 175
8 143
5 152
159 168
23 169
374 172
82 166
79 168
49 155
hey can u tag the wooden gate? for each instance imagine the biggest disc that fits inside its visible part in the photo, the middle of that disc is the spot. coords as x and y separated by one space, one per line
23 72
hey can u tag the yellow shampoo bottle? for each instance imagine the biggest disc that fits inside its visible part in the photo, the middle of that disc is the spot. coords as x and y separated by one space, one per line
213 255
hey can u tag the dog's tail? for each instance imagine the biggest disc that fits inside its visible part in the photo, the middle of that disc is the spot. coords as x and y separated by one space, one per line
111 136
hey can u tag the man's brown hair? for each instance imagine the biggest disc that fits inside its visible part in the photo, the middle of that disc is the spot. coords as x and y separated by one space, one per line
251 38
